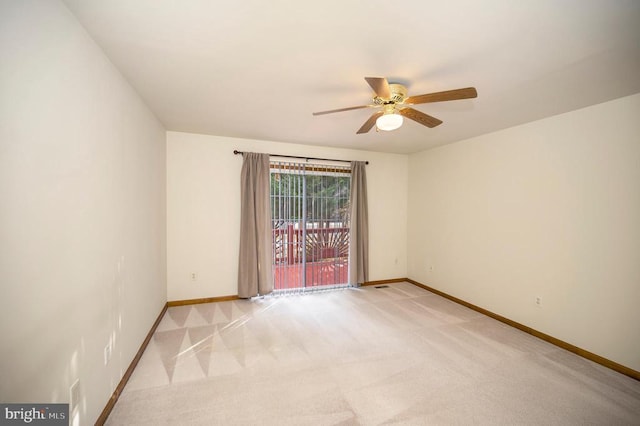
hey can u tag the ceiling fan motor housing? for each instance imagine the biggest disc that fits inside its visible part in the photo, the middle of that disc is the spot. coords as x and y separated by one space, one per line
398 95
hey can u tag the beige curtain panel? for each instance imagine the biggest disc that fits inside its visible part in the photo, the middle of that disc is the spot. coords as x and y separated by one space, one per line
359 246
255 275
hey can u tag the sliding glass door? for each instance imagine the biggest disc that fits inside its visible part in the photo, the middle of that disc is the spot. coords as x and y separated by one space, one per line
310 224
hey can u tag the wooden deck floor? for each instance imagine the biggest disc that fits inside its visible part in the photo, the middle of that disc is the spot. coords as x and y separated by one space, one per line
318 274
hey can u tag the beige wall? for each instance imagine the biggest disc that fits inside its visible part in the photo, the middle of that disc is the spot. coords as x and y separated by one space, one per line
82 212
203 210
548 209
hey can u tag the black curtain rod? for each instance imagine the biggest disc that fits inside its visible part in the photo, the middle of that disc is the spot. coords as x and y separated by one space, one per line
236 152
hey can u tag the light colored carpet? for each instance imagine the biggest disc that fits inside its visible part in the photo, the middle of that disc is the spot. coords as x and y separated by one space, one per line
396 355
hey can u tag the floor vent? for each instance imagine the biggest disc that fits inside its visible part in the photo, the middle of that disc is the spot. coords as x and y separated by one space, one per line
382 286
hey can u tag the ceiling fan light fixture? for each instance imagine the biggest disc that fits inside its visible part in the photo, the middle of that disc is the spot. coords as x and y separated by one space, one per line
388 122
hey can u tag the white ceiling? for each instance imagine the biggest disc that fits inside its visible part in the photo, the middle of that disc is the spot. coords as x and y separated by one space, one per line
258 69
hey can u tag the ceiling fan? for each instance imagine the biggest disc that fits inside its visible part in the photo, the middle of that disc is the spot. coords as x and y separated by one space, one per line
394 103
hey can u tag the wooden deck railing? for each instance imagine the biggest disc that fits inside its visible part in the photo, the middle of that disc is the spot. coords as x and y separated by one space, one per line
321 243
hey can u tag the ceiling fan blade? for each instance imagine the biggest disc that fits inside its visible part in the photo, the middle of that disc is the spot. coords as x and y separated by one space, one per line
370 122
331 111
420 117
449 95
380 85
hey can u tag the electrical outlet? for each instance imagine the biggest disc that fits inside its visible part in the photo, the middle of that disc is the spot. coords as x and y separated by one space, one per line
194 277
538 301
